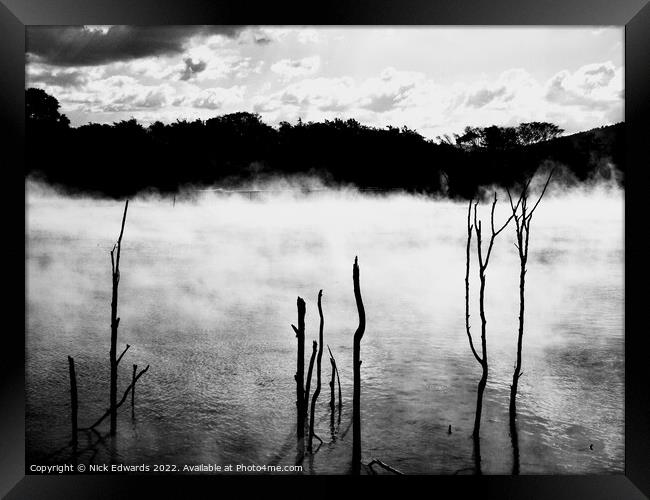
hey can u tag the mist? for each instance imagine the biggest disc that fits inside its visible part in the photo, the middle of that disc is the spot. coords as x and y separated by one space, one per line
207 295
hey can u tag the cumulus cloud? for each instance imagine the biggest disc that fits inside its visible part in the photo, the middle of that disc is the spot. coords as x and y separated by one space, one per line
389 90
55 77
86 46
377 94
216 97
192 68
485 96
185 72
396 97
591 86
119 94
291 68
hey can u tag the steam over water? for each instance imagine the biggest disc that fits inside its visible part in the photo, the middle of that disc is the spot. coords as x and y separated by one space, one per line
208 292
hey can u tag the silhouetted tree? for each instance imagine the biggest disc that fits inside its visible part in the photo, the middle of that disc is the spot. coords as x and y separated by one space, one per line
113 358
74 405
300 369
124 158
310 372
115 322
135 370
335 378
318 375
534 132
483 261
43 109
522 218
356 364
501 138
120 402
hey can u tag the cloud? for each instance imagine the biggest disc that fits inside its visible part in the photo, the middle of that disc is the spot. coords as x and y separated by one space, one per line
217 98
88 46
377 94
321 93
591 94
307 36
484 96
120 94
114 94
389 91
593 86
68 77
191 68
291 68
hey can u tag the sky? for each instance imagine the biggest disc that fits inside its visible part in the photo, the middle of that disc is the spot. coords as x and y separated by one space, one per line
436 80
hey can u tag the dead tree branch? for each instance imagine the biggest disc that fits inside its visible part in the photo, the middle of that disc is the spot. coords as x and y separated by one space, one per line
522 232
309 374
318 374
356 398
333 363
123 352
135 369
300 368
383 466
483 262
467 324
120 403
73 399
335 371
115 265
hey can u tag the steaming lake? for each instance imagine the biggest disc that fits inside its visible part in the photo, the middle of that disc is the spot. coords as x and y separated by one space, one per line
208 293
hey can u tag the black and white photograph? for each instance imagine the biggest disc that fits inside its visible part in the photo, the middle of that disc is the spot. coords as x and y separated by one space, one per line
325 250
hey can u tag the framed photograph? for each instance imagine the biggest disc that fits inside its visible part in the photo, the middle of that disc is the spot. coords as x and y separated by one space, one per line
263 243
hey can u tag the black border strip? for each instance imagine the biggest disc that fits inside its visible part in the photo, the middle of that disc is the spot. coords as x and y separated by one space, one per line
635 14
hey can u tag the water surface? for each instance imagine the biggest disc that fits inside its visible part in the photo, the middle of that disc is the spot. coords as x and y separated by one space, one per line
208 292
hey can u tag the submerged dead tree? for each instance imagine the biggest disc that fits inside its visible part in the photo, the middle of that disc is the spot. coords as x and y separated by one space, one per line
483 261
118 403
115 322
73 401
335 377
135 370
335 372
300 368
114 404
310 371
356 365
522 218
319 359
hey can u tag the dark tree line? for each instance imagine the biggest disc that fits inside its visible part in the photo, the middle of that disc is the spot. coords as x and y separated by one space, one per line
126 157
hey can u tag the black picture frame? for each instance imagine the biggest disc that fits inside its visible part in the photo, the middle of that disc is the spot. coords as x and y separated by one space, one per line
15 15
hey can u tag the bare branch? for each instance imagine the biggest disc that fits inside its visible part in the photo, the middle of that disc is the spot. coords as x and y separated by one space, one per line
126 393
542 194
358 335
119 239
301 407
356 364
309 374
123 352
469 240
383 466
494 204
319 359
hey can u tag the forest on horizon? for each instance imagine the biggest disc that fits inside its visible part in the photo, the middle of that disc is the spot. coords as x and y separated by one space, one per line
126 158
